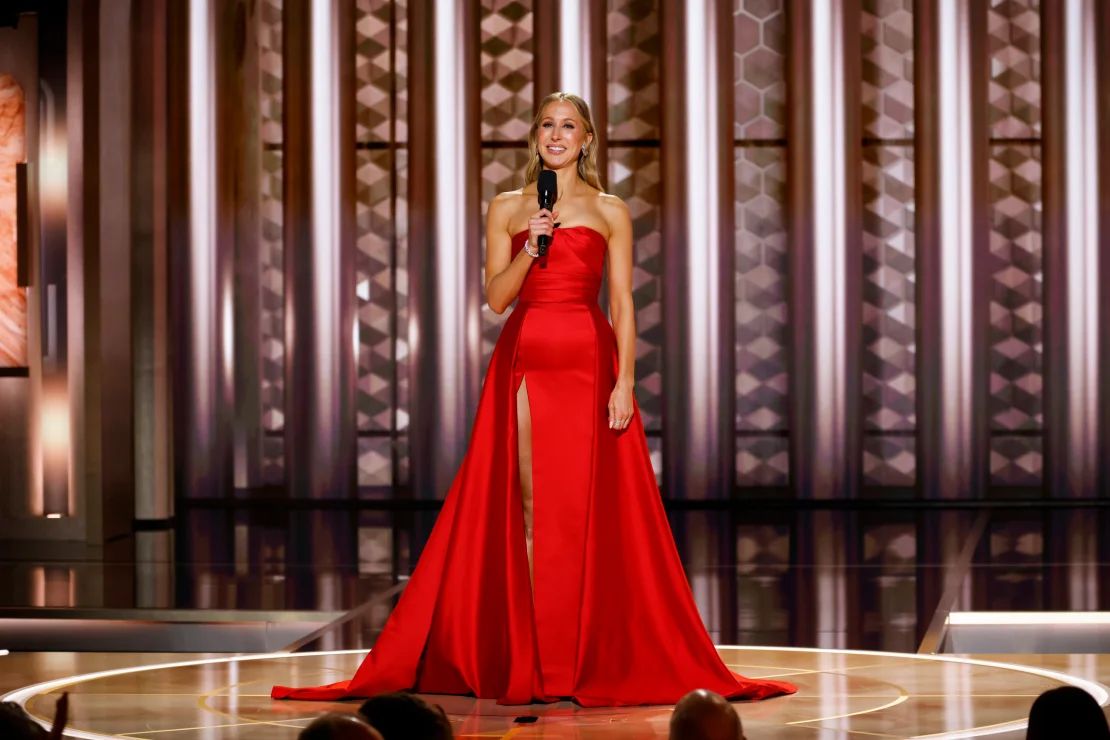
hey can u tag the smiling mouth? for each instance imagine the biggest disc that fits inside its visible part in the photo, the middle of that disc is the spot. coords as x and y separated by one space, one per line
556 149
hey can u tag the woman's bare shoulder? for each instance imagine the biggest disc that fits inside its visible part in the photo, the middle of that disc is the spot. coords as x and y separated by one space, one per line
614 210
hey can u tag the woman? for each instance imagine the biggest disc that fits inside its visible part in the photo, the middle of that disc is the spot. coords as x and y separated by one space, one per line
551 572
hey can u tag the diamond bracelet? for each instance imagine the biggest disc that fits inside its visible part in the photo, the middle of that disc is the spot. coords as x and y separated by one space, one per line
532 251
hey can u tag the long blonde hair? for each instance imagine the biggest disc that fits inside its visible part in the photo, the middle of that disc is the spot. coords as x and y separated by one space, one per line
587 165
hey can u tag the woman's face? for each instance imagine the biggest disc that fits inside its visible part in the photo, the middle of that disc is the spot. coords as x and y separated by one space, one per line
561 135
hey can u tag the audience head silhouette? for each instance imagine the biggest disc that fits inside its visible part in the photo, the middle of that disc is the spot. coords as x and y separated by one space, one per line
16 724
403 716
337 726
704 715
1068 711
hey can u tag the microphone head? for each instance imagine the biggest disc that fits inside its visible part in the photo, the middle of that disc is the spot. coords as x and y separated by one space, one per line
547 188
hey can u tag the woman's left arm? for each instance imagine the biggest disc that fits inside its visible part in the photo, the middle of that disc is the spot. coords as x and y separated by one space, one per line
621 310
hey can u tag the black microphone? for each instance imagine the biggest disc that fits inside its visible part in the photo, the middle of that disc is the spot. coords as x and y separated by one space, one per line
547 191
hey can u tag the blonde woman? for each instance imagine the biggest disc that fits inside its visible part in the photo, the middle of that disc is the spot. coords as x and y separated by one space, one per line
551 572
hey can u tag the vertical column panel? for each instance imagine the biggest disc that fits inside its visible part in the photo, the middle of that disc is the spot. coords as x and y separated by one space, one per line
444 322
320 322
1072 245
701 265
149 274
575 47
508 62
1102 61
381 258
949 176
889 259
1016 331
825 228
761 341
271 257
205 422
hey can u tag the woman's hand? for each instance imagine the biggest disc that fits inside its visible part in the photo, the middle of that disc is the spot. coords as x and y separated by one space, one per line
620 406
542 223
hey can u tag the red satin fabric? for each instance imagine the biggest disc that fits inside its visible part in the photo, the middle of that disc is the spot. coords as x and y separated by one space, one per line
612 620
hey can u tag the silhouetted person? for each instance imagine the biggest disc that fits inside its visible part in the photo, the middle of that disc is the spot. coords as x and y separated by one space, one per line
704 715
16 724
337 726
404 716
1069 712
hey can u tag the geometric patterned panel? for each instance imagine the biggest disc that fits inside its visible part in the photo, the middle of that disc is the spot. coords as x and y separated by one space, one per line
761 282
888 289
760 314
381 258
272 314
506 69
889 460
886 38
502 170
375 290
762 460
1016 461
634 50
1016 300
375 461
270 253
1014 40
373 75
759 69
269 62
634 177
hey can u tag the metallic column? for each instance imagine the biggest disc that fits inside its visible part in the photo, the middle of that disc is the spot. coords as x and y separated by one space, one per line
204 415
320 321
825 228
149 274
546 72
1103 63
951 235
111 508
702 437
575 64
1071 240
444 229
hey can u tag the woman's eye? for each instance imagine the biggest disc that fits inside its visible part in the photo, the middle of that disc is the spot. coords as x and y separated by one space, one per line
547 125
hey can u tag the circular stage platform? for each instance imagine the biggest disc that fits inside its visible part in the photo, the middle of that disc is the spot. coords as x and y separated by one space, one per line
842 693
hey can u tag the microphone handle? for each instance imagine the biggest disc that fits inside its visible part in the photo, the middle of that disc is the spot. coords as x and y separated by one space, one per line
544 241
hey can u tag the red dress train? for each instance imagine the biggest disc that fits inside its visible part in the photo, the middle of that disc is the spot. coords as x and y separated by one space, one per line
611 620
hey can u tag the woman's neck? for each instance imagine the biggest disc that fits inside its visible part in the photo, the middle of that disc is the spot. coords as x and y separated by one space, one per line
566 179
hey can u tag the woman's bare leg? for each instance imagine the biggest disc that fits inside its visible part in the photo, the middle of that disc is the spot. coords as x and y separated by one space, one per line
524 452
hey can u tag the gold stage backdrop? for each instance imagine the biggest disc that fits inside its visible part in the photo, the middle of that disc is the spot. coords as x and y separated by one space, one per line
870 243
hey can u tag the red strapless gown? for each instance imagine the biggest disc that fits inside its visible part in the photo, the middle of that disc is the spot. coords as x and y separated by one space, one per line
612 620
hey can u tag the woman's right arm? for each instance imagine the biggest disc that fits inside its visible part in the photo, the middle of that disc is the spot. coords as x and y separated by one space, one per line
504 275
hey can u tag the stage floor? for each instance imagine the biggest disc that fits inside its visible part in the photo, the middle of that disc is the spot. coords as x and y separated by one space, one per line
841 694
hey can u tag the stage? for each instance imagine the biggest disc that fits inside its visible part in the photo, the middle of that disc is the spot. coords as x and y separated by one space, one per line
842 694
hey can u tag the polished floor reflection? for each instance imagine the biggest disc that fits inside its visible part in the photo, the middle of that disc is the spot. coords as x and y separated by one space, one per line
841 694
882 573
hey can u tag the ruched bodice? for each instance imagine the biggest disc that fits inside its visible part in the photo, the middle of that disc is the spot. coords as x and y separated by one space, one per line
573 269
